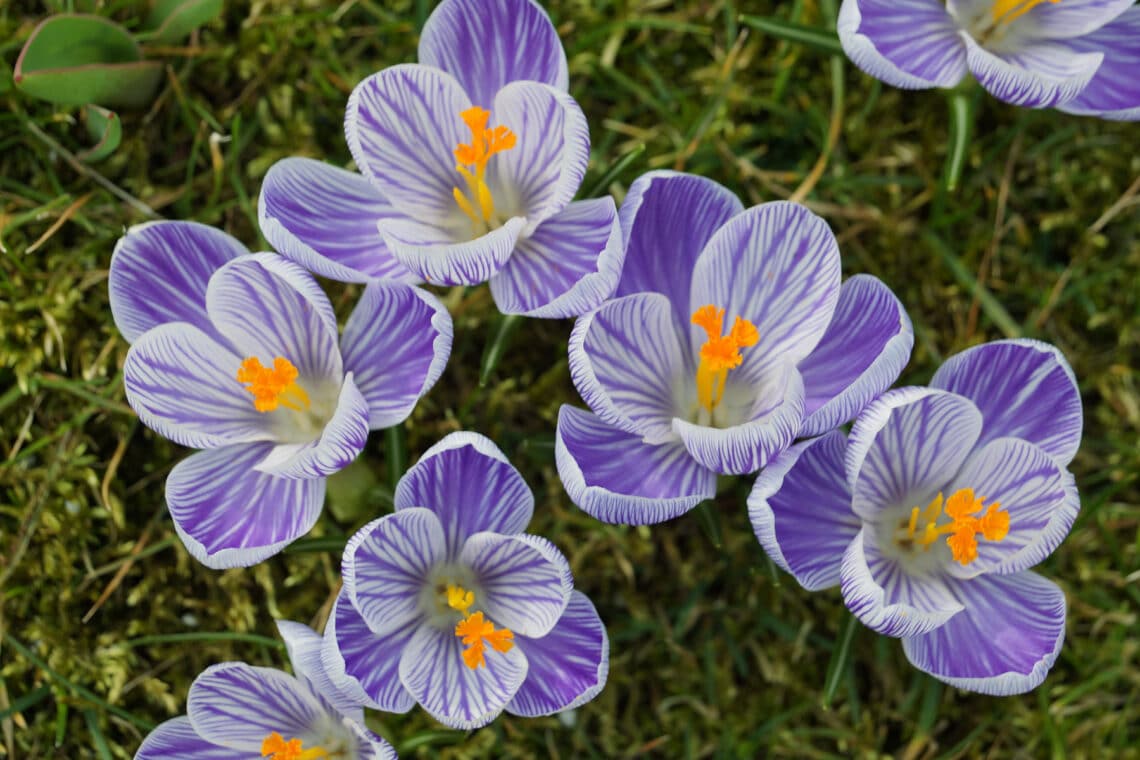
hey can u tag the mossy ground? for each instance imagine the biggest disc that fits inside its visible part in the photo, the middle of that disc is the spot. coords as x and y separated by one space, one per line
714 652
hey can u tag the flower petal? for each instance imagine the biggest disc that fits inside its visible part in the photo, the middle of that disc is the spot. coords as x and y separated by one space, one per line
800 509
1033 489
324 218
159 273
626 362
1071 18
183 385
267 306
885 597
1004 642
366 665
386 566
229 515
340 442
667 218
540 175
568 666
489 45
772 423
470 486
396 344
863 351
912 44
403 124
304 646
525 581
432 669
1034 74
442 261
776 265
176 739
1023 388
616 477
905 447
238 705
1114 92
570 265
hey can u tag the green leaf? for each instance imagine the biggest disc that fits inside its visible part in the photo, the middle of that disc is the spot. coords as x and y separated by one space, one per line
822 40
352 492
505 330
171 20
74 59
106 129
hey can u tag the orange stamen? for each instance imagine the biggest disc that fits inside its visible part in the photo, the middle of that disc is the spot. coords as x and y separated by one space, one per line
475 631
472 159
1005 11
719 353
965 524
275 747
272 387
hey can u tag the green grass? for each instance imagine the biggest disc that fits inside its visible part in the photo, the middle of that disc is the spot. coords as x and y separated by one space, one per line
106 619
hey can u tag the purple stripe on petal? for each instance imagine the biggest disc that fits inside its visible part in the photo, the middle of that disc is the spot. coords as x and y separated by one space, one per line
486 44
387 564
906 446
569 266
238 705
616 477
1069 18
525 581
229 515
324 218
440 261
363 664
267 306
159 273
626 362
304 646
568 666
1114 92
886 597
1023 388
432 669
470 486
183 385
396 344
801 511
176 740
1035 74
912 44
1004 642
863 351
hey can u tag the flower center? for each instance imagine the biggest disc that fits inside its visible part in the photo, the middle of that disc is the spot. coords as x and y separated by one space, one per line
275 747
273 387
476 201
1005 11
966 521
720 353
474 630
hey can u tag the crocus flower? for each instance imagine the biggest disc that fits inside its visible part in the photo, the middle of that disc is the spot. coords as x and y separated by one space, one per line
731 337
469 160
930 513
1080 56
237 711
447 603
237 354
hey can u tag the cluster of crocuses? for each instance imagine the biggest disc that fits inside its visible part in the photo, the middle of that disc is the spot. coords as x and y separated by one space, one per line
711 340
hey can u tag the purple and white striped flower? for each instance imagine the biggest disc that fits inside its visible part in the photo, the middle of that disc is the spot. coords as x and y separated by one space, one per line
449 604
238 354
237 711
1079 56
680 396
470 160
930 514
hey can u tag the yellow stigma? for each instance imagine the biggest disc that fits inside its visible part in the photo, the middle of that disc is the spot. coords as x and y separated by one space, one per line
275 747
476 201
966 521
273 387
720 353
1005 11
474 630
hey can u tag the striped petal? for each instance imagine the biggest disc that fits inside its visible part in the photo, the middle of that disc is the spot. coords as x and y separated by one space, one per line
525 581
1068 19
176 739
159 273
237 705
387 564
616 477
487 45
363 665
304 646
229 515
912 44
440 260
1034 74
568 666
1114 92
